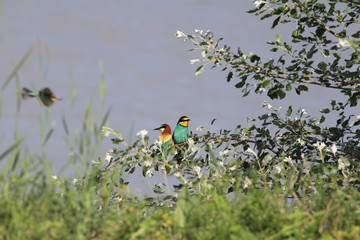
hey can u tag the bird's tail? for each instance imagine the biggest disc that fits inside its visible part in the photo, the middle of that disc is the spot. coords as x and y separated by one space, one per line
26 93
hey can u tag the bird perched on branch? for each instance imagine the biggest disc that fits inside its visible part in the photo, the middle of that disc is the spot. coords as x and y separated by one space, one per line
45 95
181 131
165 136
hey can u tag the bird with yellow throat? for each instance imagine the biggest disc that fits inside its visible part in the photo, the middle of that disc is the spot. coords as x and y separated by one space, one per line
165 136
181 131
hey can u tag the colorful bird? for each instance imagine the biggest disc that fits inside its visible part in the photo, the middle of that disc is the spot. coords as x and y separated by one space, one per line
165 136
181 131
45 95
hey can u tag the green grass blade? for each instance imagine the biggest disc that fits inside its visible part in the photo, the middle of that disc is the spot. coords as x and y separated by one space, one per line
16 160
72 89
131 133
102 81
66 128
18 91
18 66
1 103
105 118
48 135
86 123
12 147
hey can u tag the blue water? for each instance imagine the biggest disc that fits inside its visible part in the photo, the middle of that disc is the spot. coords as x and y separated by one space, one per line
148 76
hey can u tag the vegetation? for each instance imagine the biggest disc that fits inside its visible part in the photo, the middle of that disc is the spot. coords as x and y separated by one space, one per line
286 176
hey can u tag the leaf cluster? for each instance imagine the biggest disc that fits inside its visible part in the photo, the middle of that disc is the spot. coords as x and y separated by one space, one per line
323 51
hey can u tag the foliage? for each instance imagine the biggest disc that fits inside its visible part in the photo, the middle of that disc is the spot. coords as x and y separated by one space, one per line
293 154
36 207
324 50
274 143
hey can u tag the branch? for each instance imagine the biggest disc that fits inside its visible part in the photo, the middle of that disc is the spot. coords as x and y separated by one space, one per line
304 9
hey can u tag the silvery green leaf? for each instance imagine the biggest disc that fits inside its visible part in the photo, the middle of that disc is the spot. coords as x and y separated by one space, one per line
343 163
200 69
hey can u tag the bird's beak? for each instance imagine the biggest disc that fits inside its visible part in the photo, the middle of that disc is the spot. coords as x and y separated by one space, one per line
55 99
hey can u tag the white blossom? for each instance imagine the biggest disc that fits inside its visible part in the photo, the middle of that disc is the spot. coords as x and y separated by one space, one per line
179 34
261 90
232 168
145 150
221 163
302 111
277 169
300 141
249 150
149 173
247 182
288 160
147 163
333 149
75 181
343 162
200 128
163 170
194 61
156 145
108 157
266 104
192 148
199 31
158 142
142 133
203 53
320 146
259 2
277 109
211 144
343 43
224 153
106 131
197 169
54 177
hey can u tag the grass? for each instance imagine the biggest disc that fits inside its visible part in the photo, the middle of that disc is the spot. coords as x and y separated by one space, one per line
34 206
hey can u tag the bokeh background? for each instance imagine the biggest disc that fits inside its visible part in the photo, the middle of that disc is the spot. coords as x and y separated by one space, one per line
149 80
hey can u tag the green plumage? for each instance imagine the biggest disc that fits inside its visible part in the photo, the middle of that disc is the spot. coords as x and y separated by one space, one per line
180 134
45 95
165 145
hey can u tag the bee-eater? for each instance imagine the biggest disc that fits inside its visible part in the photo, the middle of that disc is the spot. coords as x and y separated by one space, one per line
181 131
46 95
165 136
